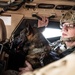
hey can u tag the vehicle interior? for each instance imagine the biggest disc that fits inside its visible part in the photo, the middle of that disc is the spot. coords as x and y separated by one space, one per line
19 30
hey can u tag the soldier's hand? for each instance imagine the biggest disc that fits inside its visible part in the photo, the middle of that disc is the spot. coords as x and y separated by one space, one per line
43 22
27 68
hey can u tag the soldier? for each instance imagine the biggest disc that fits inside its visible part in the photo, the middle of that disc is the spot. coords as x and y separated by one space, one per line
67 24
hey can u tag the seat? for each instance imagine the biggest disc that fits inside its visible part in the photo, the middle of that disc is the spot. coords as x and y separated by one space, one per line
3 36
3 33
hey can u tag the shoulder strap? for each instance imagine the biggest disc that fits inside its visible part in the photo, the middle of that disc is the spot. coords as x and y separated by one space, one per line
68 51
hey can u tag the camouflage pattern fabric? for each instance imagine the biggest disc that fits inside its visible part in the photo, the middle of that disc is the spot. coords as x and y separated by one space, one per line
68 17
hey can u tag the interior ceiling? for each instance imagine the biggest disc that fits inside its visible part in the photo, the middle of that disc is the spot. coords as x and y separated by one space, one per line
50 7
46 8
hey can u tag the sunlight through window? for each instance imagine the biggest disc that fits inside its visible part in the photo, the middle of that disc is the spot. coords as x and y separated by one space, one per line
51 32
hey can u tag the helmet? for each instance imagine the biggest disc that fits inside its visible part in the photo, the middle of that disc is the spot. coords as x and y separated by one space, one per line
68 17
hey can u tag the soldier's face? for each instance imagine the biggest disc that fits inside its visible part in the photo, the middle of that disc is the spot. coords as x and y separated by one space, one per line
68 30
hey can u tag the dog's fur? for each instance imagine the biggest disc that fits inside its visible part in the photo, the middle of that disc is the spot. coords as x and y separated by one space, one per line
64 66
